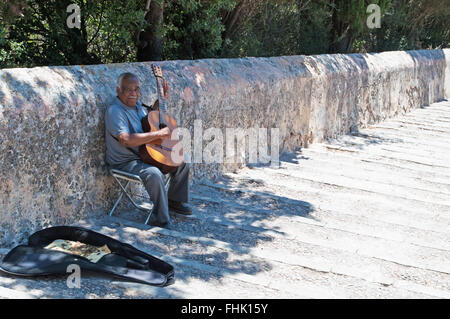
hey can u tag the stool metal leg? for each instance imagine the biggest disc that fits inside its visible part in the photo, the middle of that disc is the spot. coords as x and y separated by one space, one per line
124 192
119 199
148 217
167 182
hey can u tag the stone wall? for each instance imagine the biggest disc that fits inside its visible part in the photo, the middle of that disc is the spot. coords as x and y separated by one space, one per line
52 131
447 73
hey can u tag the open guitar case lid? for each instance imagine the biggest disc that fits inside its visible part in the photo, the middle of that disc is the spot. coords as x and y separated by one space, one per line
124 261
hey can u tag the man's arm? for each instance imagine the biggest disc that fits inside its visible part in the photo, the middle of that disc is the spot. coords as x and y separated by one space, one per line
137 139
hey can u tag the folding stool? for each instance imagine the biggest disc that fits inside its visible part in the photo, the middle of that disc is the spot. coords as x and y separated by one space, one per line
146 206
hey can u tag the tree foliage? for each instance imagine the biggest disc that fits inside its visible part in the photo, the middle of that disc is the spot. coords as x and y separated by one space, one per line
194 28
39 35
408 25
35 32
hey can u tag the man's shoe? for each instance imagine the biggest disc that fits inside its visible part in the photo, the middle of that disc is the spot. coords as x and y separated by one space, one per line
180 207
160 224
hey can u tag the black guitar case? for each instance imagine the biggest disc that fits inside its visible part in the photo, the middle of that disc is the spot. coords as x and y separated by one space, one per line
124 261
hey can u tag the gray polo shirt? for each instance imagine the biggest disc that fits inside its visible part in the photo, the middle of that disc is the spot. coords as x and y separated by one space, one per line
120 119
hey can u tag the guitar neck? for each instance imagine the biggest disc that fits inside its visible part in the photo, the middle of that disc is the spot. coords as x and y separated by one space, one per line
162 103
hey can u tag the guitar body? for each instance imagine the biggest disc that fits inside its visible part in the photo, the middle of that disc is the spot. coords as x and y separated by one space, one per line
161 152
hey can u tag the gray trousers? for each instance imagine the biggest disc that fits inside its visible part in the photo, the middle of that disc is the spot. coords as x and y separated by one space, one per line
153 180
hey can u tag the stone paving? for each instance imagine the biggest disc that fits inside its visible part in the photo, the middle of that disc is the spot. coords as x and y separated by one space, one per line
366 215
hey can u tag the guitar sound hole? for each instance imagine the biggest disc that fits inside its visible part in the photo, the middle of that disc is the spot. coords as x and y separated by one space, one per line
162 125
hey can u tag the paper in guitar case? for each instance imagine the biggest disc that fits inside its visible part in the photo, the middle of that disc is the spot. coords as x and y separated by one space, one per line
124 261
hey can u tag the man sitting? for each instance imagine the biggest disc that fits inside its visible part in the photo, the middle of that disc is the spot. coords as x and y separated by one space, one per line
124 135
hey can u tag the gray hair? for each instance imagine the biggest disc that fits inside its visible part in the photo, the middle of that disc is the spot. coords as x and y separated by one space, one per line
125 76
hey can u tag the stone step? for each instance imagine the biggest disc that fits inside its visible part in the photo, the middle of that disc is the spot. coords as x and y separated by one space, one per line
426 119
373 163
361 184
422 130
407 254
186 281
412 130
417 125
395 159
277 263
342 203
414 149
336 185
418 118
190 282
435 118
268 221
421 123
435 165
313 163
444 110
202 239
310 215
331 164
431 123
381 136
423 172
295 286
432 112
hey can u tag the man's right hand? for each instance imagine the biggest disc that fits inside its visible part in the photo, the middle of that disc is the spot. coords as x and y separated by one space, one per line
138 139
164 132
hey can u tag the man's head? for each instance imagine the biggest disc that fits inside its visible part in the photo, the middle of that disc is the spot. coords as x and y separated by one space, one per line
128 89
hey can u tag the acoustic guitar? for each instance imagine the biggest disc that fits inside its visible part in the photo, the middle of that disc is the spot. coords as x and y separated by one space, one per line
160 153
